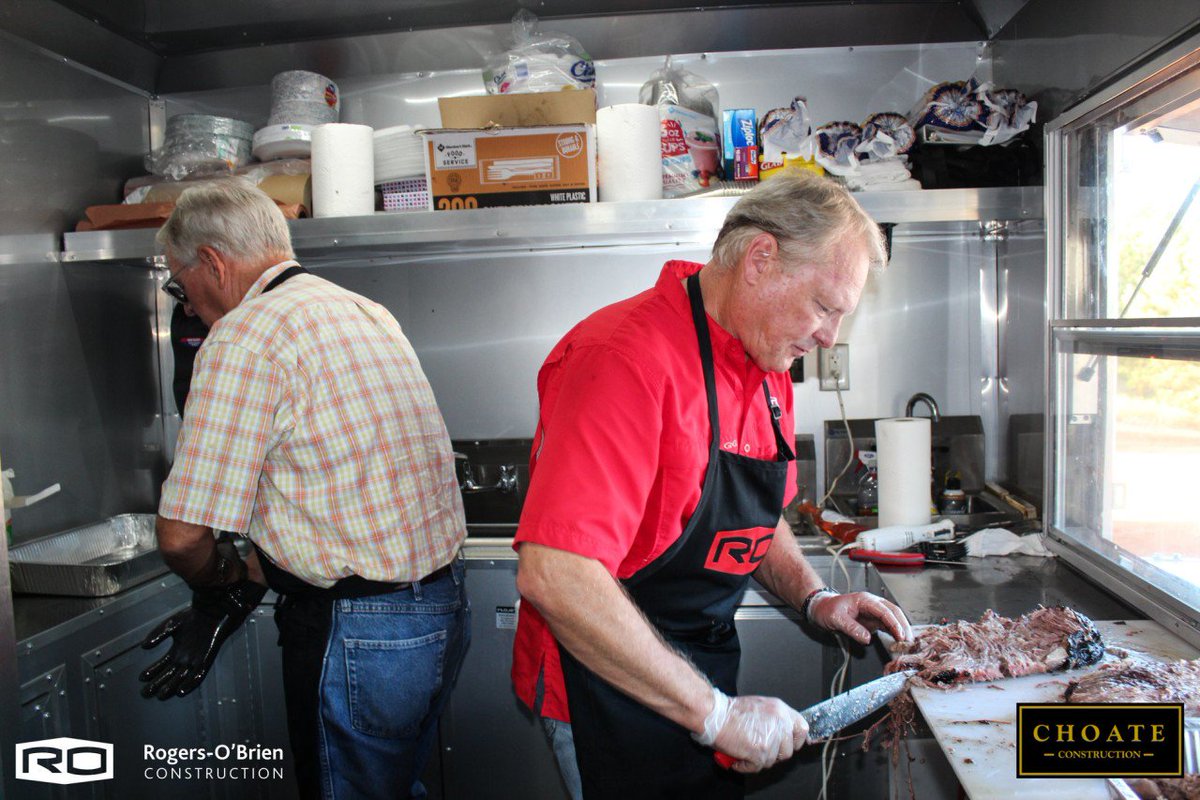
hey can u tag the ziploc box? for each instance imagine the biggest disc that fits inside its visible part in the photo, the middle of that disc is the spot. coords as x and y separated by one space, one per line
483 168
739 134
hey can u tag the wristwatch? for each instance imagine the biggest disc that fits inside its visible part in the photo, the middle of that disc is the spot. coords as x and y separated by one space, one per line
806 606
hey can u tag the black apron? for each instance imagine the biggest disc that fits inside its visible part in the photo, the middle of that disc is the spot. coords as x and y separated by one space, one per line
690 594
303 620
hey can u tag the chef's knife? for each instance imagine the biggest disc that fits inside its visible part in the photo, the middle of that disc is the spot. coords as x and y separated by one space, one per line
830 716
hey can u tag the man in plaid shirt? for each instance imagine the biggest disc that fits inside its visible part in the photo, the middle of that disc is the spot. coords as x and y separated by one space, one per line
312 430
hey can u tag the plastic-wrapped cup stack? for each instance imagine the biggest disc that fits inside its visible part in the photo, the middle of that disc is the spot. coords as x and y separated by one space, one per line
300 101
304 98
343 170
197 143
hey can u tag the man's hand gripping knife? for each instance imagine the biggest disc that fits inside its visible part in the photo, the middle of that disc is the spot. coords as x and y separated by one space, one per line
752 732
198 632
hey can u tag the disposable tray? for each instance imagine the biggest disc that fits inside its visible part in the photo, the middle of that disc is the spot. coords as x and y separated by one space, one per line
91 561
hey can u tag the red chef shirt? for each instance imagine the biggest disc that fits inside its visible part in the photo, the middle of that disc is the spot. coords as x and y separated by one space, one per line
622 445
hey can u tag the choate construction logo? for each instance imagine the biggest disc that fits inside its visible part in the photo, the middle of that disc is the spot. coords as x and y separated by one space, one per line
64 760
1103 740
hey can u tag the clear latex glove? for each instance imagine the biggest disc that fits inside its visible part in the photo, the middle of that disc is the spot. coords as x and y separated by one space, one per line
858 615
757 731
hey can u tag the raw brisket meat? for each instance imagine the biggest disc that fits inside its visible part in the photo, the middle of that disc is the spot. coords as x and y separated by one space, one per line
1185 788
1140 682
1044 640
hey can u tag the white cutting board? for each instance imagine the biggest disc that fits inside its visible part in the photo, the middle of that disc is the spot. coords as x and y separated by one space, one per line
984 755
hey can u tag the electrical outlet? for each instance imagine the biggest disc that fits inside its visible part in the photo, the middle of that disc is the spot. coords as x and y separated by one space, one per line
833 364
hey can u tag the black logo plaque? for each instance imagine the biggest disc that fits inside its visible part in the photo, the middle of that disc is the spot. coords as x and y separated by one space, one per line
1102 740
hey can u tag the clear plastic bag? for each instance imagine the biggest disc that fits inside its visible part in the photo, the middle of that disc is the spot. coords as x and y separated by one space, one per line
687 110
540 61
199 144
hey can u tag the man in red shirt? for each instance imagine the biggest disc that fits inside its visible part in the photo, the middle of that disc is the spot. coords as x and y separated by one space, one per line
659 472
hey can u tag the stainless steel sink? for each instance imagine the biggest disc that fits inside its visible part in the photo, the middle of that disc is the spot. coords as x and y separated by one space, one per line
982 510
91 561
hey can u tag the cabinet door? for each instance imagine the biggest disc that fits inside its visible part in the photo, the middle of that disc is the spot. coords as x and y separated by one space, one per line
44 715
491 745
116 712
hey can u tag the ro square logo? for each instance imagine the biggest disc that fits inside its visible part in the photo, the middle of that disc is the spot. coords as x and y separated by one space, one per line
64 760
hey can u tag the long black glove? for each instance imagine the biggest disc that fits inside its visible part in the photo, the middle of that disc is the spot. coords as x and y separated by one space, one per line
197 634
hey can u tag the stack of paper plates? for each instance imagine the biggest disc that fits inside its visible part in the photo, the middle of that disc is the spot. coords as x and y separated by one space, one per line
399 153
283 141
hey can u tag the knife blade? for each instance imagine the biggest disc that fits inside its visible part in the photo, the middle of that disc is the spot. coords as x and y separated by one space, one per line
830 716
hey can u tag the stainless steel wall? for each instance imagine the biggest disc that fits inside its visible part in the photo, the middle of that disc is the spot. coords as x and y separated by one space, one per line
71 341
1060 50
76 349
482 326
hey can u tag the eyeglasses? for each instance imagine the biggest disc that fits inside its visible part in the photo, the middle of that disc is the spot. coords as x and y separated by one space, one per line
171 285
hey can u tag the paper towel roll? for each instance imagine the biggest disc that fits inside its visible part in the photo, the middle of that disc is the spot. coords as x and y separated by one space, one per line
343 170
629 153
904 464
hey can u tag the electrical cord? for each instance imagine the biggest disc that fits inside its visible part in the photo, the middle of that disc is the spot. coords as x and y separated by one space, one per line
838 684
837 377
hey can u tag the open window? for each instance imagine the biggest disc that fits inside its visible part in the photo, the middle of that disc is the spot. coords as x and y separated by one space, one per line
1123 236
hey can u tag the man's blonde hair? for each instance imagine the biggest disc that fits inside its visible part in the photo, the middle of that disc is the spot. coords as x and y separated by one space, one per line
808 215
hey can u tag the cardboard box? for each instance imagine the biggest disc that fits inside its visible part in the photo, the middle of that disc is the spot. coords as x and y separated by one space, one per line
570 107
483 168
739 134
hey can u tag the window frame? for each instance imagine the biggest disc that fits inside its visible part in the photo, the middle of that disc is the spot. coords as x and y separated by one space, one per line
1162 83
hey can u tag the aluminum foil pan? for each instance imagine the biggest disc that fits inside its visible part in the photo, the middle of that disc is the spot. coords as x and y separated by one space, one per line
91 561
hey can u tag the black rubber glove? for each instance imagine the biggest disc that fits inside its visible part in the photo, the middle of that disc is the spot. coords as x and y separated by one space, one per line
197 634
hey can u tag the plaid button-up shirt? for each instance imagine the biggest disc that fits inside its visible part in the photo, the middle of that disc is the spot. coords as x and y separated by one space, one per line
311 427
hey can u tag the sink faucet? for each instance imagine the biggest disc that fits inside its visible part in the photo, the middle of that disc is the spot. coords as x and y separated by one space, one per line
507 482
921 397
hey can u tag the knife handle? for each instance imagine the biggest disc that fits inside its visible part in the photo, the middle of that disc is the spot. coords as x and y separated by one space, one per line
724 759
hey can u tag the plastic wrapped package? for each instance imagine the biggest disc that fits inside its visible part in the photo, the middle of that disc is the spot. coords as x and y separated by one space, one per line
540 61
303 98
197 144
687 108
786 132
159 189
967 112
300 101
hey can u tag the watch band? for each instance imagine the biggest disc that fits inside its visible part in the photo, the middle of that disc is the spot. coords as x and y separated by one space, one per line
806 606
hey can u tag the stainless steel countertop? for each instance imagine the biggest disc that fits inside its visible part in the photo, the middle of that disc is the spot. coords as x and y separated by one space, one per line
34 615
1009 585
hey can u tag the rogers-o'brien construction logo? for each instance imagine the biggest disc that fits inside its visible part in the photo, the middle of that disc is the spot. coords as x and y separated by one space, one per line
64 760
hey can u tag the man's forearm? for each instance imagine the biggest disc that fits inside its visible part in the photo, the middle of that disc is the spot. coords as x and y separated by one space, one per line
191 552
590 614
785 571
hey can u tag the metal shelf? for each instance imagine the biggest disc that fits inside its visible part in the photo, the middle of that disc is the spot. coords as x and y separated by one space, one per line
655 222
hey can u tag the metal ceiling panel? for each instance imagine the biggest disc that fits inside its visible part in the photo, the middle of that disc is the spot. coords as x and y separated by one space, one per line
83 39
173 28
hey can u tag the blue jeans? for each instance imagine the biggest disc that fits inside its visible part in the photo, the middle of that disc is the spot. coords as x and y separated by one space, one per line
562 741
390 663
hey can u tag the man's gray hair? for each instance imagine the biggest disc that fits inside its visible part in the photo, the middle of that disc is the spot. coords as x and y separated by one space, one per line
230 216
808 215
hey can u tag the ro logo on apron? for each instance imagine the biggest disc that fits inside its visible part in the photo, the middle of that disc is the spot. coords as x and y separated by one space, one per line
739 552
